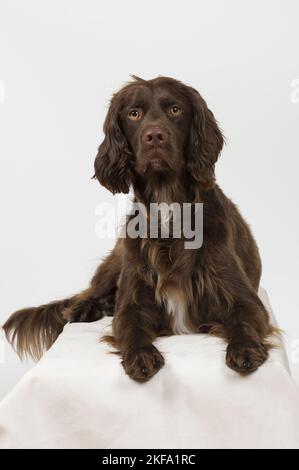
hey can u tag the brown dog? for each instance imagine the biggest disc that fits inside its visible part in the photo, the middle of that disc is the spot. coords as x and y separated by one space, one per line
161 139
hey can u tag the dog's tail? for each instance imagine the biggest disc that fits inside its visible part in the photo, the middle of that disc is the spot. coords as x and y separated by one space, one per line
31 331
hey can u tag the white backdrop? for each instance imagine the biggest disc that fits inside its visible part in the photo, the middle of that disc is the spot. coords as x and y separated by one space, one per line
60 60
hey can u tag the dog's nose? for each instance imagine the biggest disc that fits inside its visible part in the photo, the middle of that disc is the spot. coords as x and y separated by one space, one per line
154 136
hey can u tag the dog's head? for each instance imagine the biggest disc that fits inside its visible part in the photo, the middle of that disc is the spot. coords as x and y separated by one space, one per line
158 127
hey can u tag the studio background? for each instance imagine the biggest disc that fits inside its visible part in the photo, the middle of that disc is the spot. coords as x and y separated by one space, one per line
60 61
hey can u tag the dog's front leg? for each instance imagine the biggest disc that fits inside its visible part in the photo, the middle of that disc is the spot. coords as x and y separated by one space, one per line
248 346
135 326
246 320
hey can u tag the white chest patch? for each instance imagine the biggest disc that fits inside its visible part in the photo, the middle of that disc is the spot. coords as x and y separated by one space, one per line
177 309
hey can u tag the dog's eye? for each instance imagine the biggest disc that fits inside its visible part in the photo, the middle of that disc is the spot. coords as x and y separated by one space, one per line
175 111
134 115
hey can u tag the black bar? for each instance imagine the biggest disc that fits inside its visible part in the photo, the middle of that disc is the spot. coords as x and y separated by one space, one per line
137 458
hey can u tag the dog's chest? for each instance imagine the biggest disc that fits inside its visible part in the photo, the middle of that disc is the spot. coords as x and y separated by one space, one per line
172 289
177 308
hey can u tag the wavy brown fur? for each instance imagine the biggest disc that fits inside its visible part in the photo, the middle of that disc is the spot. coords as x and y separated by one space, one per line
31 331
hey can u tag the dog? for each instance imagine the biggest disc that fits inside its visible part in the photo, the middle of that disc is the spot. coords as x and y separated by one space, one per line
162 141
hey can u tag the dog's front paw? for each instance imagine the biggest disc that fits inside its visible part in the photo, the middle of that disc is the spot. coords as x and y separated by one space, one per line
246 356
143 363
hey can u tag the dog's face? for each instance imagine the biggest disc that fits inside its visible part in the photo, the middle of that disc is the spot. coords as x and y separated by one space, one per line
157 127
156 120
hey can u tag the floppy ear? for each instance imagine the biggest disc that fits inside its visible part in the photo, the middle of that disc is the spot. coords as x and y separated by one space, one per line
112 165
205 142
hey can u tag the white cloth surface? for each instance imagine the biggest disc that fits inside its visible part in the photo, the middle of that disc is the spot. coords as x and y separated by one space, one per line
78 396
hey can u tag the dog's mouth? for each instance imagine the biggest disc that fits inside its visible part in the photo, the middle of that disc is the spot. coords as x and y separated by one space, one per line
156 152
157 162
157 159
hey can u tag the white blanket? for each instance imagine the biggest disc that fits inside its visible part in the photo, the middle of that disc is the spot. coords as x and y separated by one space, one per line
78 396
